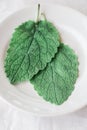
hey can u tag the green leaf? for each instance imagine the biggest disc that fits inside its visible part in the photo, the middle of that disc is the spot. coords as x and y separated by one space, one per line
32 46
56 82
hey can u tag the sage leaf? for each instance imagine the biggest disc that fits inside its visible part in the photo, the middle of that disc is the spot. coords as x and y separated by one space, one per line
56 82
32 46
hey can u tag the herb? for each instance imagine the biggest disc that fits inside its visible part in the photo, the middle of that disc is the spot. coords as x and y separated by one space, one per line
36 54
56 82
32 46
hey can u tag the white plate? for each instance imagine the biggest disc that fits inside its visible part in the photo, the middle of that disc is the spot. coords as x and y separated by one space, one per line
72 26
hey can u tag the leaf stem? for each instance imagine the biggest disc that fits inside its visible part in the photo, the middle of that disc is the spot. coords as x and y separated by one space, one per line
44 16
38 14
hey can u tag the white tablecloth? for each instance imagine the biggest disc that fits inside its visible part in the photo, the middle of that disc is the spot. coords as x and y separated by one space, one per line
11 118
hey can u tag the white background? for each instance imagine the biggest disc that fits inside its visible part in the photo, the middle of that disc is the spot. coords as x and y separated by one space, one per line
11 118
